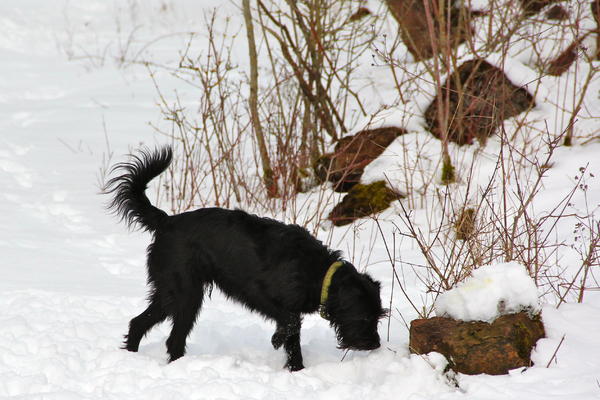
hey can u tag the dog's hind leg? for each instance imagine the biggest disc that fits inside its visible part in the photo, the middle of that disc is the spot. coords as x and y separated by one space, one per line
288 335
140 325
184 316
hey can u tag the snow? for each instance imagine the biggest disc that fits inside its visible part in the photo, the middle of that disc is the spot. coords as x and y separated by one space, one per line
63 345
71 278
489 292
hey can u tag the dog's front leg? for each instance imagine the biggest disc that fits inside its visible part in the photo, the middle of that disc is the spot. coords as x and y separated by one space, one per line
288 335
294 354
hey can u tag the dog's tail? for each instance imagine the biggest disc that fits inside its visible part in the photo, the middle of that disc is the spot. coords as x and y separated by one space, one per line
130 202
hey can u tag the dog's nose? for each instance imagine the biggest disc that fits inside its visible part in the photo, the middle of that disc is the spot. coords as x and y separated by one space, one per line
369 345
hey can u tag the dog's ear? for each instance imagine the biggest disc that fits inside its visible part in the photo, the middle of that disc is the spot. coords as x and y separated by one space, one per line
375 289
371 282
377 283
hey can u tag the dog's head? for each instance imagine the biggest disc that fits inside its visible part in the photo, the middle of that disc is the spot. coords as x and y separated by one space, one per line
354 309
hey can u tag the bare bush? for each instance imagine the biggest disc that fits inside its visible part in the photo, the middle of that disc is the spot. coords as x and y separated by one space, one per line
307 56
502 216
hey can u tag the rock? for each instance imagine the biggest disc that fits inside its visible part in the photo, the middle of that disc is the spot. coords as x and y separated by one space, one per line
361 13
480 98
352 154
531 7
412 18
362 201
557 13
561 64
479 347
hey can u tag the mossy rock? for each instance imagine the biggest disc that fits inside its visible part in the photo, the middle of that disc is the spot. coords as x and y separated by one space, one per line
362 201
478 347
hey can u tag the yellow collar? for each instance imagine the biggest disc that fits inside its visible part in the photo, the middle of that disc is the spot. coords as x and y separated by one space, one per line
325 288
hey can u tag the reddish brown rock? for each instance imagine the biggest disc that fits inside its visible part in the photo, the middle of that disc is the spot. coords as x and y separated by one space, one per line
414 28
477 97
359 14
352 154
563 62
557 13
479 347
531 7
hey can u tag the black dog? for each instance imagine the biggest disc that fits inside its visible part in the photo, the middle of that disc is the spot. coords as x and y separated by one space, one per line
278 270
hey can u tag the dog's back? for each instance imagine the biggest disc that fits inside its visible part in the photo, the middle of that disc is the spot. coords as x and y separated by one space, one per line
251 259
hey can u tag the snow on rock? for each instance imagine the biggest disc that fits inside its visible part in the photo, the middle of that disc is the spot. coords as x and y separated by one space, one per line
489 292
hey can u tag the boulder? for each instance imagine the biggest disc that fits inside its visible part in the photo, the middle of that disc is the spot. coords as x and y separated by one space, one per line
557 13
352 154
362 201
561 64
361 13
414 29
477 347
480 97
531 7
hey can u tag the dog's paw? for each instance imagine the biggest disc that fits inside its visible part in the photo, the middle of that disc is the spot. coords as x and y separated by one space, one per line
294 366
278 339
129 346
174 357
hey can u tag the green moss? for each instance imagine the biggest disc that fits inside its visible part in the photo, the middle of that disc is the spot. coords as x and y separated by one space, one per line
374 197
526 335
523 340
361 201
448 173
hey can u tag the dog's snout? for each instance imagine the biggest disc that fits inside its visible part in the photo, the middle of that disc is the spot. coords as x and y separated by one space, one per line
367 345
372 345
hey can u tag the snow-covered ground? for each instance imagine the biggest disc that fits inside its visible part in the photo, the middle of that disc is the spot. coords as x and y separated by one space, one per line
71 277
